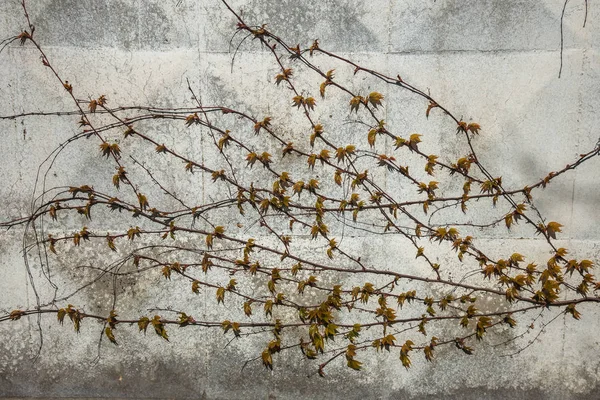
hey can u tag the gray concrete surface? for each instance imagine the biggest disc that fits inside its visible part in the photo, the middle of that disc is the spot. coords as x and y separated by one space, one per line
493 61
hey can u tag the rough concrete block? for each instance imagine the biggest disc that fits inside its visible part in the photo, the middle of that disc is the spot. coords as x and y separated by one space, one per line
514 25
365 26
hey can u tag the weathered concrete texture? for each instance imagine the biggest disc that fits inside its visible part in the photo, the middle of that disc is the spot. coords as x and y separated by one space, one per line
474 25
493 62
203 364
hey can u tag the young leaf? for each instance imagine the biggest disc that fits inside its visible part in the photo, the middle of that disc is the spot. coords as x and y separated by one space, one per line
375 99
109 334
552 228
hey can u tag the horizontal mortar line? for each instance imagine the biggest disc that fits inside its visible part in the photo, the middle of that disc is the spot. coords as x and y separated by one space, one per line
479 51
173 49
339 52
562 240
410 52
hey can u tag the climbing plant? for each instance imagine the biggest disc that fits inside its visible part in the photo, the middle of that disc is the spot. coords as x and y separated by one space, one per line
320 227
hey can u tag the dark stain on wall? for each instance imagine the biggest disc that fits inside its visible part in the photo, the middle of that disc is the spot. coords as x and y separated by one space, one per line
474 25
88 23
339 22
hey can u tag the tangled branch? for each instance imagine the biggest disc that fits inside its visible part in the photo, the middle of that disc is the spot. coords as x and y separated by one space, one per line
273 241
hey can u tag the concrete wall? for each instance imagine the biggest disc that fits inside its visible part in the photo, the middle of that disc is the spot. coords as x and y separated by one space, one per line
494 62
